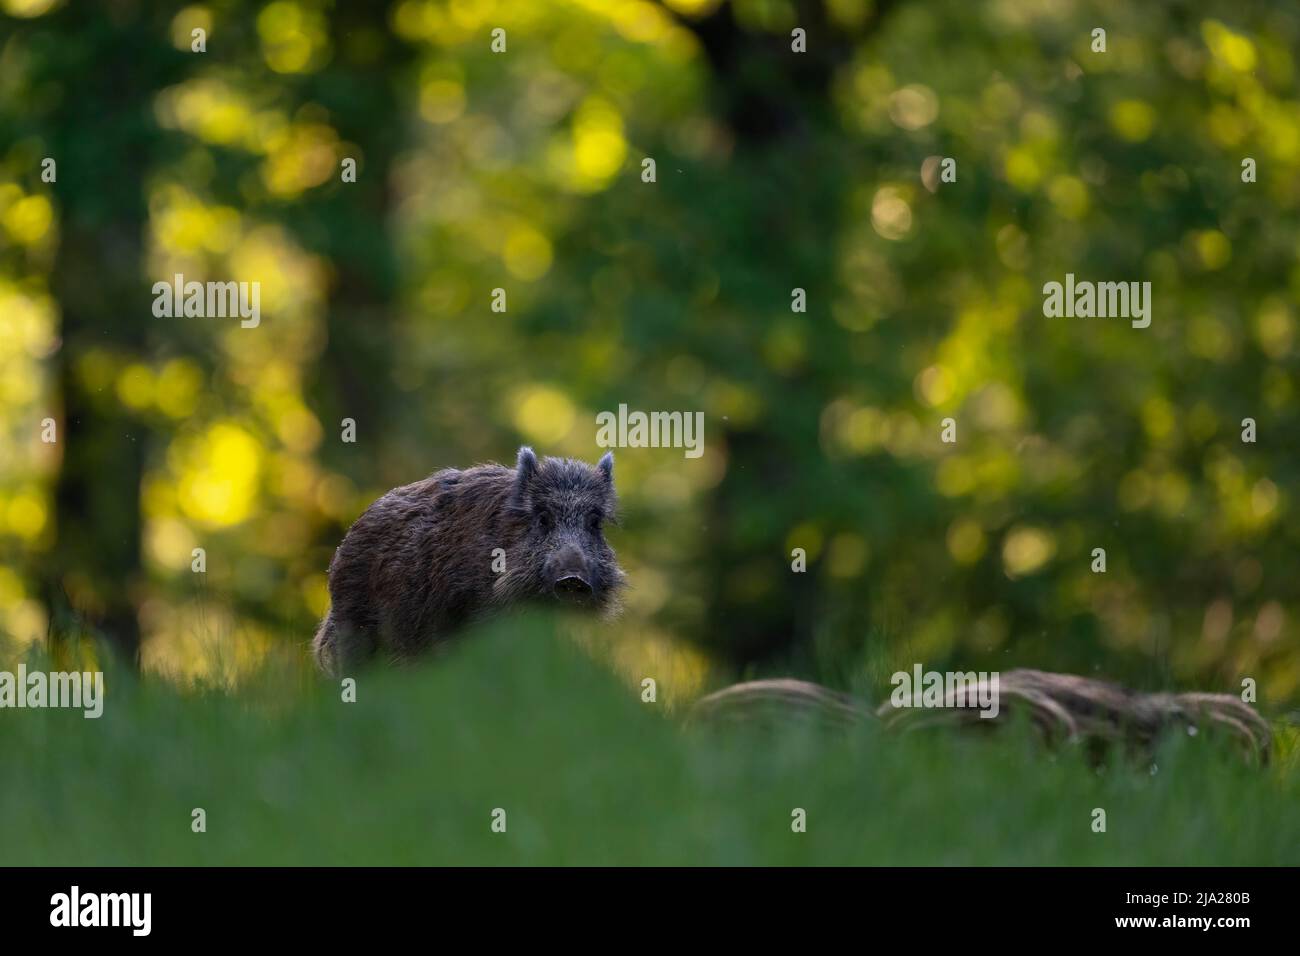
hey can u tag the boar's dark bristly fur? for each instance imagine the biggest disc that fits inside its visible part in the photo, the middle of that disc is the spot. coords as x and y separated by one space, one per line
421 561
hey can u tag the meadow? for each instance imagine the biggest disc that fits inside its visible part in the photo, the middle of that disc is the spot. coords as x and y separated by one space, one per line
522 718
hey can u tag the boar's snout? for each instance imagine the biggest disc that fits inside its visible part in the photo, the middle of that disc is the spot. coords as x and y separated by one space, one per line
570 576
573 587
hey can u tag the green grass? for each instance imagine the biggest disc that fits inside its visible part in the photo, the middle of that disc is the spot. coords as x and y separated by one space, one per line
521 719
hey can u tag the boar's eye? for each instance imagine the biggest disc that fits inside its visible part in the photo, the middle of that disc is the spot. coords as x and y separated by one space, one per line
545 519
593 521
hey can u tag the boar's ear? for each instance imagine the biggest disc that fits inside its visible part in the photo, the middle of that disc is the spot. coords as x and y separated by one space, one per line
525 468
606 466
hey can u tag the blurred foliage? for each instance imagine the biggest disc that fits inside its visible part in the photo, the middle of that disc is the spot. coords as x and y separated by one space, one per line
775 171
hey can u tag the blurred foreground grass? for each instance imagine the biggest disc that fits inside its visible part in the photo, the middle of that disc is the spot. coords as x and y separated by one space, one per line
522 719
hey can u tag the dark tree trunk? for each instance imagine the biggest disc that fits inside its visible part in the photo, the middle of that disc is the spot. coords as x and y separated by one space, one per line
352 227
97 120
770 98
94 565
